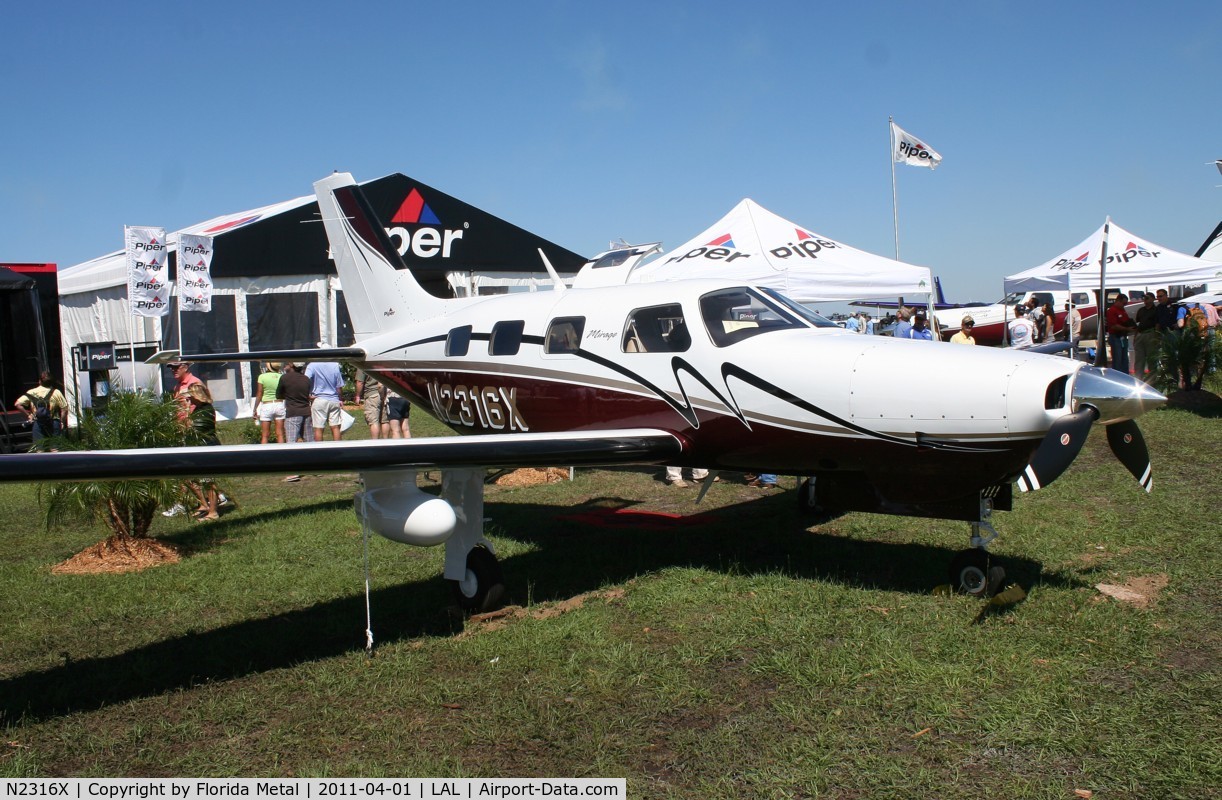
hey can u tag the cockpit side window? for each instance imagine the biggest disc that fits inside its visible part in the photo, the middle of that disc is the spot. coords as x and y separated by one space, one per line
458 341
506 338
731 315
564 335
657 329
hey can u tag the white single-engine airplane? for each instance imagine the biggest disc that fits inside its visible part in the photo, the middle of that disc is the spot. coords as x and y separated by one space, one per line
693 372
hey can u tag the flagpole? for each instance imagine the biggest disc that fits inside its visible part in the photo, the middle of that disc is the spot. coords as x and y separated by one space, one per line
131 316
1100 317
895 213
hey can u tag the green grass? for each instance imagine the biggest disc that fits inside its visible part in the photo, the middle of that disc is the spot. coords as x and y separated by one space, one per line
748 656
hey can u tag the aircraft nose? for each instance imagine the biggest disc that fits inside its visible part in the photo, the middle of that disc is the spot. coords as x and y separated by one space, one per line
1115 395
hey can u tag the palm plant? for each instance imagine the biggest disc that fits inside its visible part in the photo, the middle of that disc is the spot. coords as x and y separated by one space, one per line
1187 355
126 507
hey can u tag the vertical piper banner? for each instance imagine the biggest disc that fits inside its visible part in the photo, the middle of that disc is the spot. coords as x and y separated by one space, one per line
194 272
148 271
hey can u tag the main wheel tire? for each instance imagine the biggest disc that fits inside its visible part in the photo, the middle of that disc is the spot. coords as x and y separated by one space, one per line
483 587
808 499
970 573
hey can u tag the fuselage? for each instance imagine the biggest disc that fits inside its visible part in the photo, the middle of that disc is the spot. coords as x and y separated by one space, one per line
755 383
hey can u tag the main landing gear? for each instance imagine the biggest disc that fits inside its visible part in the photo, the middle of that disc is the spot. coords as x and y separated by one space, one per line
482 587
471 568
394 507
973 571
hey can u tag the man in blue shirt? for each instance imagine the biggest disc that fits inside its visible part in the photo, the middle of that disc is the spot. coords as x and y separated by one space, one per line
326 380
903 327
920 331
851 324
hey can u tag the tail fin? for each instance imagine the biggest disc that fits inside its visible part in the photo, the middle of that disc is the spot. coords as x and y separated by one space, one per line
940 300
380 291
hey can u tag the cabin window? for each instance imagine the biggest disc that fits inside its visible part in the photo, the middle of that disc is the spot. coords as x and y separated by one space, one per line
564 335
1042 299
458 341
731 315
657 329
506 338
1081 299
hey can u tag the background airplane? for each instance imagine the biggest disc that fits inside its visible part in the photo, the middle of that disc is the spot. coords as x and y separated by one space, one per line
694 373
940 301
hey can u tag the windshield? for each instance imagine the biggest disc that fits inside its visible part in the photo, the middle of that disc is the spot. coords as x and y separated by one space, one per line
731 315
1012 299
818 320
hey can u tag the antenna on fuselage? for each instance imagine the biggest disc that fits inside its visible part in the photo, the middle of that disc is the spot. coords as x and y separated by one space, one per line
560 287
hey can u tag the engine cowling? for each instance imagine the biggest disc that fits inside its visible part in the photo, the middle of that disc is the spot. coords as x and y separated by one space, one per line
395 508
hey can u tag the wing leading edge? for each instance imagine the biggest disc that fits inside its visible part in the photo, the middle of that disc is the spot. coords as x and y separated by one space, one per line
639 446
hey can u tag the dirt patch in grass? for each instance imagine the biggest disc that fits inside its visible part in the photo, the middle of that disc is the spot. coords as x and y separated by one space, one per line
501 618
1139 592
118 554
530 476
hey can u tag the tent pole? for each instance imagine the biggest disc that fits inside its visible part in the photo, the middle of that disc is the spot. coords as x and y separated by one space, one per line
1100 309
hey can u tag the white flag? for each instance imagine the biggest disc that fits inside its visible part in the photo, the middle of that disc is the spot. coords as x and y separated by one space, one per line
148 272
907 149
194 272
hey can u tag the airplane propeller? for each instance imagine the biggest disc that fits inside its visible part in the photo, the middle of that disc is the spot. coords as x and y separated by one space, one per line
1129 446
1060 447
1099 394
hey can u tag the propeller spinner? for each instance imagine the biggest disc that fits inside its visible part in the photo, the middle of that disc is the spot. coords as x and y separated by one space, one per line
1099 395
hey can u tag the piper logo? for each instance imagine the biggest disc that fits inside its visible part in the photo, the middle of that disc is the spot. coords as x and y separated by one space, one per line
1070 264
915 149
807 246
424 241
716 250
1131 252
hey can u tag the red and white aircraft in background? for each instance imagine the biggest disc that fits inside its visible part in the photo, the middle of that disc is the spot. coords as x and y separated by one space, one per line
990 321
697 373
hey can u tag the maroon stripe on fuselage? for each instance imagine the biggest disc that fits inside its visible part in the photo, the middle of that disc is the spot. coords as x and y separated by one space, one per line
473 403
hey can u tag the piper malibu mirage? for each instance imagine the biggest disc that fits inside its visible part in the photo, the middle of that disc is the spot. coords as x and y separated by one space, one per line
693 372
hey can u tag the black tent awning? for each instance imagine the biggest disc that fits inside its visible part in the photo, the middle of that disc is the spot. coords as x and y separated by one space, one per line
436 232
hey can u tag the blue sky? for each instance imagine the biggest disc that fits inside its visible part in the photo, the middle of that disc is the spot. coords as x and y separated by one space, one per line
585 122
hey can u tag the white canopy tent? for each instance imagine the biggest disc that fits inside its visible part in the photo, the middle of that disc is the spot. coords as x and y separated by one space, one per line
754 245
1131 262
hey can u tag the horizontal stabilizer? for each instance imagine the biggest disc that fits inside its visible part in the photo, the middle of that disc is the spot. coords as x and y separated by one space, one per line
630 446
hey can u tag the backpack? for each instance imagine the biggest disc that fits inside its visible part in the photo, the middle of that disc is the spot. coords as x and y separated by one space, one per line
1197 317
42 408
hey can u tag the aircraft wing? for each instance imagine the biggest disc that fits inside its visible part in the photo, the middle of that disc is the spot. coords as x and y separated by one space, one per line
596 448
313 354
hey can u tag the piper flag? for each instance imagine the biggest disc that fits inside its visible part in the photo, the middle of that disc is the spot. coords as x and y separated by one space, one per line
194 272
907 149
148 272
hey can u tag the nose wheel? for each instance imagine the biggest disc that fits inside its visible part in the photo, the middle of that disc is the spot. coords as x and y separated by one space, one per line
973 572
483 586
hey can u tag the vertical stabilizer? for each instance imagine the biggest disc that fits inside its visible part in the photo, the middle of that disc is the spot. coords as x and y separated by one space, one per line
379 290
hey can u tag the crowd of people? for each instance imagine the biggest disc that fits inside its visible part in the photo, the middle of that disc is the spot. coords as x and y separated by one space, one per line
294 403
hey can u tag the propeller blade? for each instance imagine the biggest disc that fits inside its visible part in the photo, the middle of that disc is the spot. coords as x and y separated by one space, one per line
1129 446
1060 447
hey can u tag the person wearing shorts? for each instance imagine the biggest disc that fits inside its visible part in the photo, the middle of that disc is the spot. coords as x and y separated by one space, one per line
269 409
397 411
326 380
294 390
373 402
